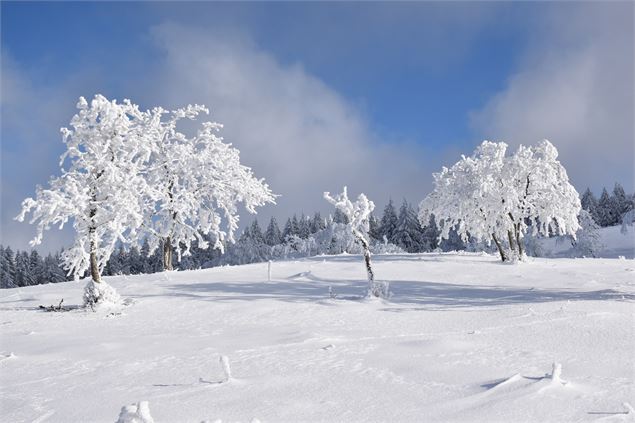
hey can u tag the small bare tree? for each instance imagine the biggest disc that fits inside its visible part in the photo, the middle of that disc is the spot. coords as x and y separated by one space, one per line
358 214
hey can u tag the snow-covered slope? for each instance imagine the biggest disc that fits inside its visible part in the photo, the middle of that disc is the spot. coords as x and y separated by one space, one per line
464 338
614 244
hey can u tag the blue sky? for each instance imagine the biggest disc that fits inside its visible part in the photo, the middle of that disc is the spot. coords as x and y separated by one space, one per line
318 95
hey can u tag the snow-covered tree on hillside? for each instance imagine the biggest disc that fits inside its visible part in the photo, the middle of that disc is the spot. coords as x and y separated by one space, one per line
408 234
607 213
590 203
7 268
388 224
491 196
272 234
588 242
98 191
357 213
194 184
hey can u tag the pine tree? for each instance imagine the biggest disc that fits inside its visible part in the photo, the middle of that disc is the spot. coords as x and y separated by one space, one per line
590 203
53 273
7 266
605 210
272 234
408 233
256 233
431 235
36 268
388 221
317 223
291 228
304 227
620 202
23 269
374 228
340 217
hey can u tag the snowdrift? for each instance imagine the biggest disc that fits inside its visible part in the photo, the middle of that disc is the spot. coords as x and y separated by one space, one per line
463 338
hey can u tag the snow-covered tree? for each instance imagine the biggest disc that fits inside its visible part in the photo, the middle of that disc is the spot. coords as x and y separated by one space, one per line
291 228
194 184
388 224
272 234
304 227
408 234
98 191
590 203
357 213
606 210
317 223
7 268
588 242
374 228
491 196
621 202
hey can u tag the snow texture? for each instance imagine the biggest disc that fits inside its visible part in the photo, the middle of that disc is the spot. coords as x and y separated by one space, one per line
463 339
136 413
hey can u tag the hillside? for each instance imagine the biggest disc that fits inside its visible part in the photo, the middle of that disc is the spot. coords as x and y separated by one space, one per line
464 338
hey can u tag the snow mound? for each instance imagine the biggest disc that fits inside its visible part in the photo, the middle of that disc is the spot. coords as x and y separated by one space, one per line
136 413
100 295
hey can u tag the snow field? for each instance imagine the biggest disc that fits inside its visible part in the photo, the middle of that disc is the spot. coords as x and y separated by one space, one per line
463 338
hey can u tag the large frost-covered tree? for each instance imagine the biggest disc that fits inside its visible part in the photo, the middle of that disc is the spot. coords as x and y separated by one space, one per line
98 190
193 184
357 214
492 196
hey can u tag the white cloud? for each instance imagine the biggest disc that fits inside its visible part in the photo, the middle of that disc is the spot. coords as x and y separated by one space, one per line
290 127
575 87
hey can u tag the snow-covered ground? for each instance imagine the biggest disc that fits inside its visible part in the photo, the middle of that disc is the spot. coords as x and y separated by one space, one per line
464 338
613 242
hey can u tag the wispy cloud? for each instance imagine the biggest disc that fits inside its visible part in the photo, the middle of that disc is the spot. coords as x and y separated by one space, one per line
291 127
574 86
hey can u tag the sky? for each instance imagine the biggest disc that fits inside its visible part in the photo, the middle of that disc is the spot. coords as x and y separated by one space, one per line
317 95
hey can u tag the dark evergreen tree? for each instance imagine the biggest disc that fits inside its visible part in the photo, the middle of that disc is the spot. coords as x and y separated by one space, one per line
304 227
374 228
145 266
272 234
23 275
453 242
590 203
134 261
621 203
408 234
7 269
36 268
340 217
607 215
255 232
317 223
53 273
290 228
431 235
388 221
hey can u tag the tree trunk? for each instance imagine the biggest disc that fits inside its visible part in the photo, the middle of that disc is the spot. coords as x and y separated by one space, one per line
510 237
521 251
94 265
369 269
167 254
500 248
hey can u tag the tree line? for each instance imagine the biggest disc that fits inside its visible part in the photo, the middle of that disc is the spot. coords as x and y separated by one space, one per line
609 209
395 230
